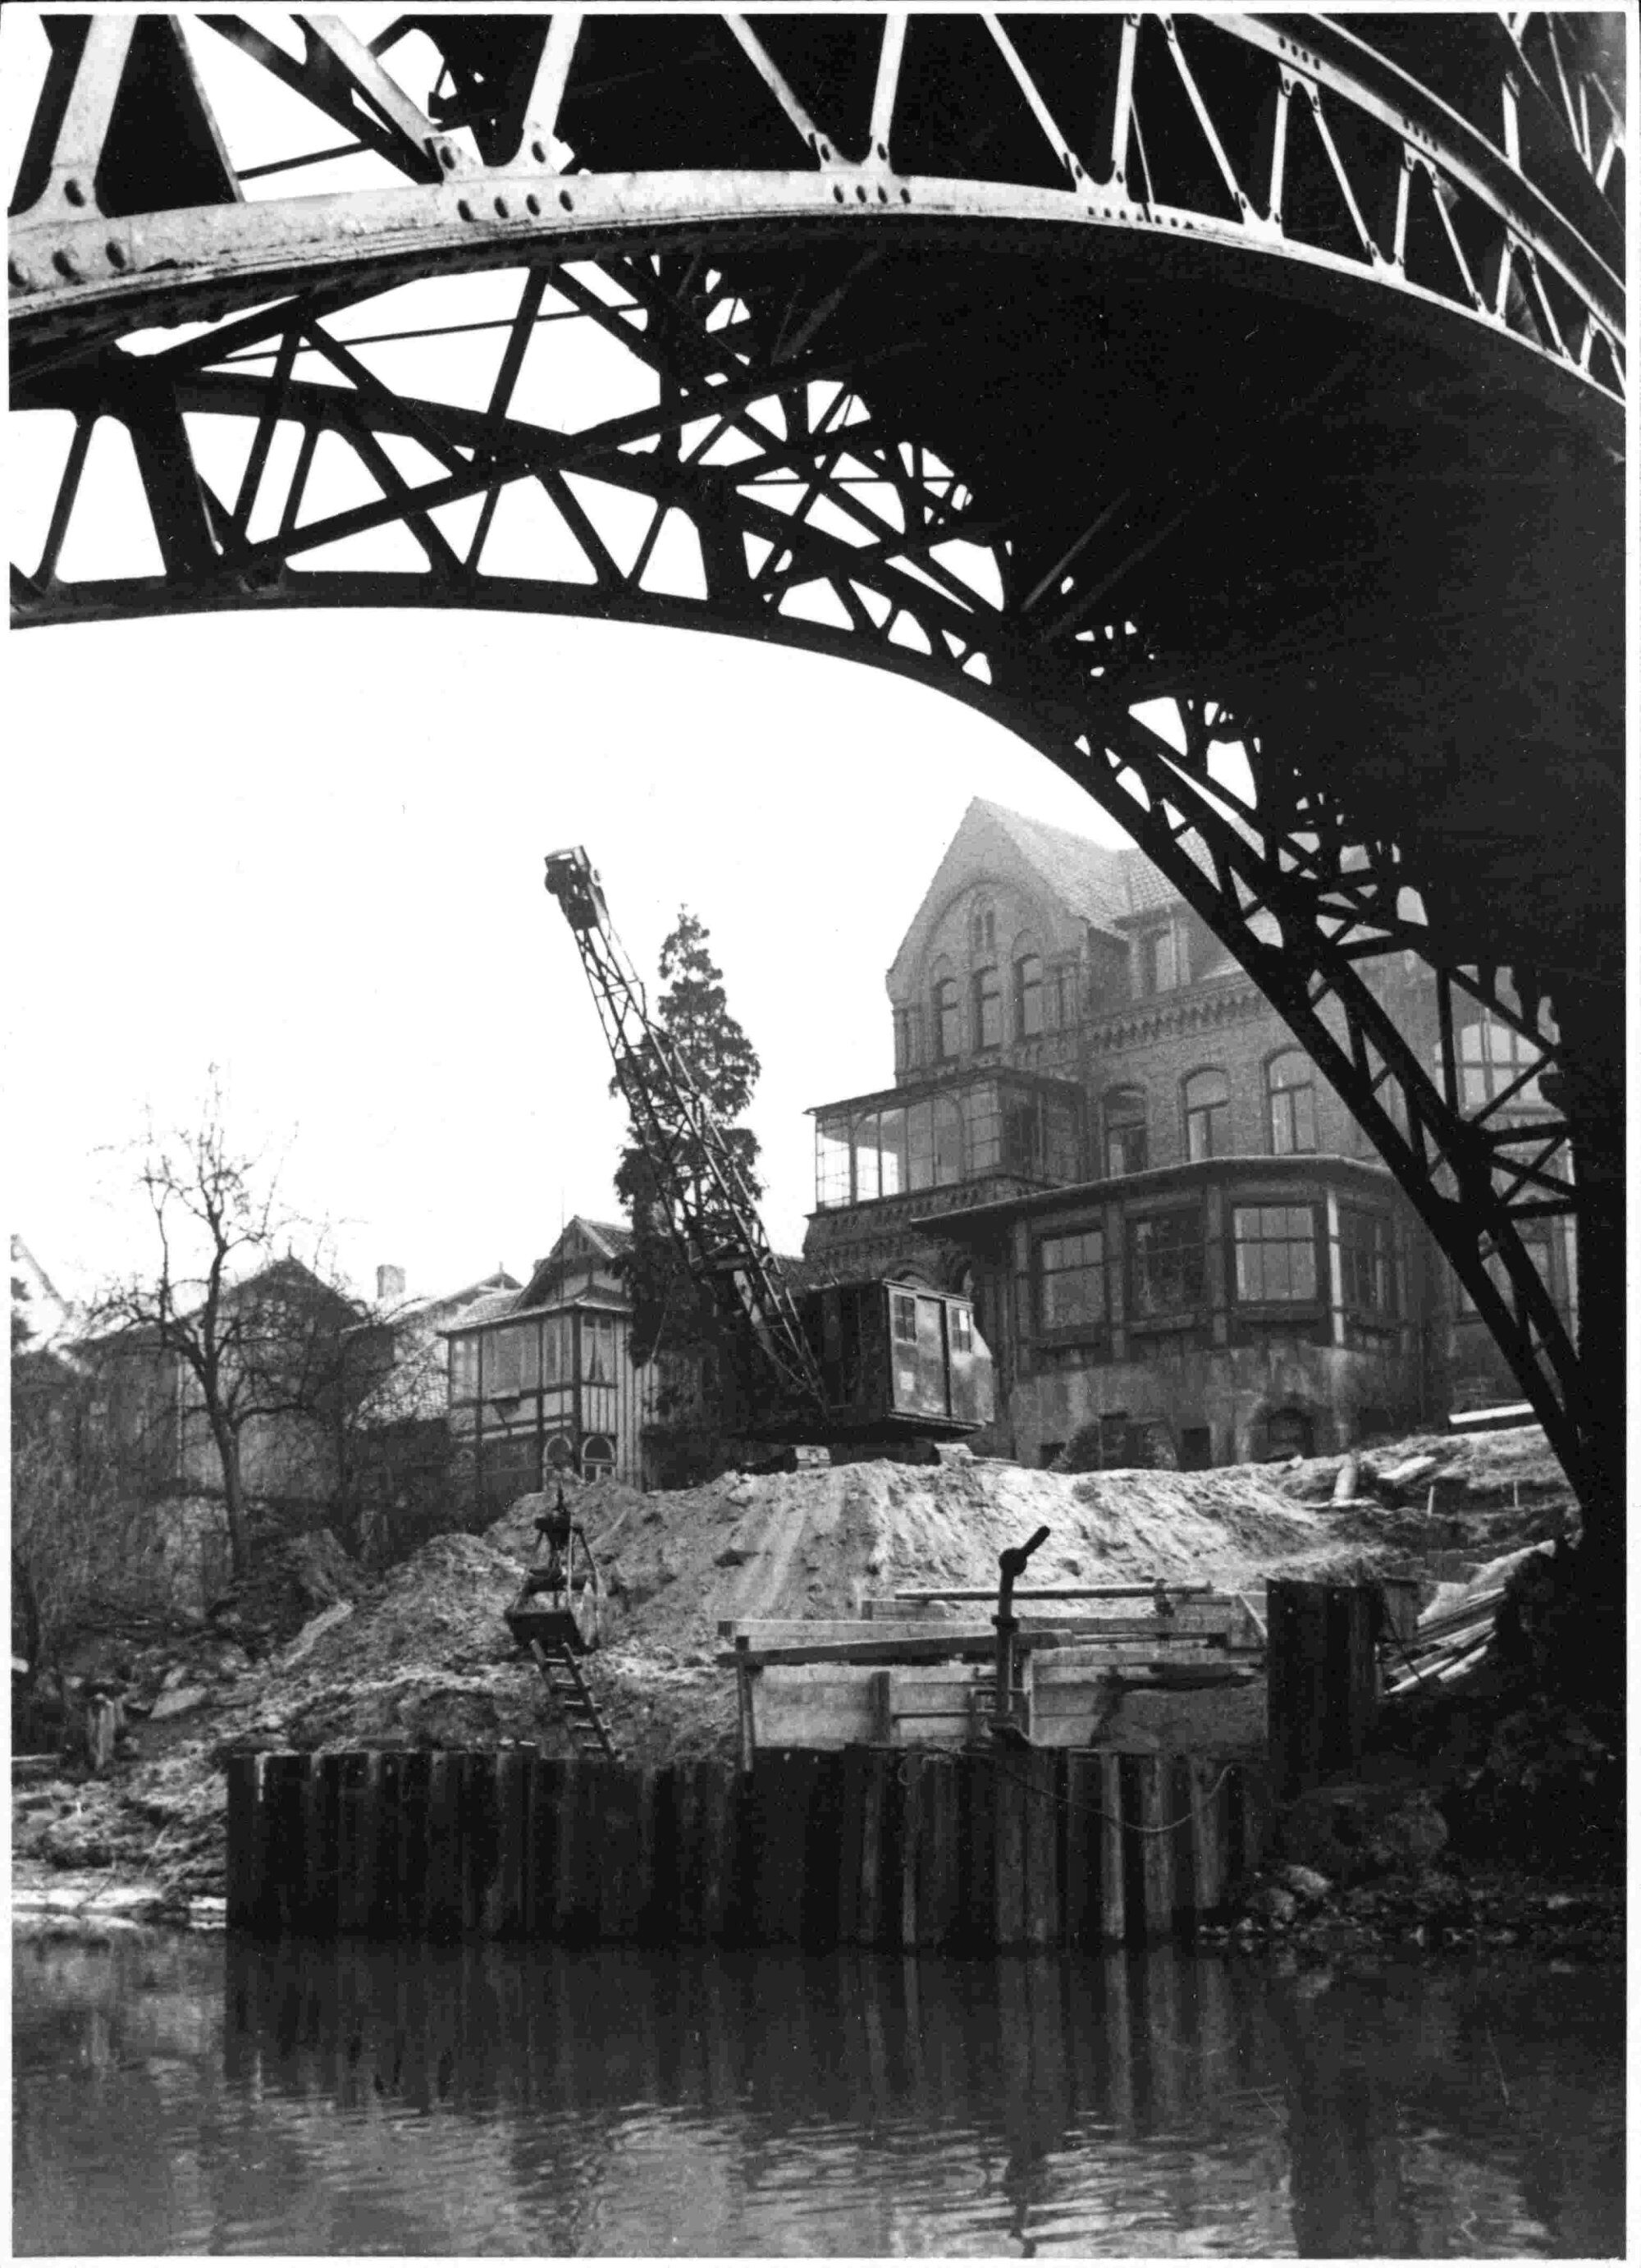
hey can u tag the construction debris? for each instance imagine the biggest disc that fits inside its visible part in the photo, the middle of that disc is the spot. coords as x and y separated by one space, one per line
424 1657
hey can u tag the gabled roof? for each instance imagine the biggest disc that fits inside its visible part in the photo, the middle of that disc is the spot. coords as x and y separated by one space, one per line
1093 880
485 1309
1091 883
613 1235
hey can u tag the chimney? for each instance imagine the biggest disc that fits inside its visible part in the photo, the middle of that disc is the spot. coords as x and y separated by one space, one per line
390 1285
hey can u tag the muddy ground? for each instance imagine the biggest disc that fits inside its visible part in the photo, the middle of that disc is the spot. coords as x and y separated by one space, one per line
313 1656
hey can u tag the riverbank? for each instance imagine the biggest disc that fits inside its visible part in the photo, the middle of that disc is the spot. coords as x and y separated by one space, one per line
1449 1835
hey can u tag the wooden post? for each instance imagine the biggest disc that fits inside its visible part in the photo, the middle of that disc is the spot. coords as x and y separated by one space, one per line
1157 1845
320 1827
979 1830
1113 1902
941 1897
1323 1679
850 1843
384 1874
746 1729
1009 1800
1041 1852
355 1843
719 1822
868 1926
688 1806
545 1814
245 1850
1205 1782
914 1863
445 1845
1080 1921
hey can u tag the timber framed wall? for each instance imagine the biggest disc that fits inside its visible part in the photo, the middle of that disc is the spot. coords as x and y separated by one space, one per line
898 1851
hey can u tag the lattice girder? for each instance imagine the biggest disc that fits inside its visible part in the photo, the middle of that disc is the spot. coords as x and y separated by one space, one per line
1063 365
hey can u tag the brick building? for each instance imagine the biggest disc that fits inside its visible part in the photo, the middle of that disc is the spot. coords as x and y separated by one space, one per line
1171 1225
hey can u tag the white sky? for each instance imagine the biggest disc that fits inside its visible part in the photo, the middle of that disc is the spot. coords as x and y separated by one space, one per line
307 849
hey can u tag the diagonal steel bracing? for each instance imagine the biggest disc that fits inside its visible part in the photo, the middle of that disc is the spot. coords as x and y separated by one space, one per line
1063 364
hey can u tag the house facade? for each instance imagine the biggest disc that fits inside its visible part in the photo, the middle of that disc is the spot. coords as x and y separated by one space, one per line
541 1382
400 1474
1173 1230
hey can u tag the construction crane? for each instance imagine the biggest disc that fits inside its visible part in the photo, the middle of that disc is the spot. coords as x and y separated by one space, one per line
884 1360
710 1209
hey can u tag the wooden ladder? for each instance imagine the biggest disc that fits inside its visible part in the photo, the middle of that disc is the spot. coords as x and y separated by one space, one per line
560 1674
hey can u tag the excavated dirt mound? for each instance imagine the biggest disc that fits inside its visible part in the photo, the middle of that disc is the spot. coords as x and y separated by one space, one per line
816 1544
423 1657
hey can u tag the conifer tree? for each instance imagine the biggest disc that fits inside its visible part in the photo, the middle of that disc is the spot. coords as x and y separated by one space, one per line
670 1310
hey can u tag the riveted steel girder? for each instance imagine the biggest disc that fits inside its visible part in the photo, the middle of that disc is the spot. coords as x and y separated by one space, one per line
1063 364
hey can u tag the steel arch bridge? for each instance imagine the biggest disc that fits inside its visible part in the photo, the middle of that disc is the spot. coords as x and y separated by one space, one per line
1060 362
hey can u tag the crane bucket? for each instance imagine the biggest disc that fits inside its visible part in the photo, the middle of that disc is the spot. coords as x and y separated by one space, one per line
573 879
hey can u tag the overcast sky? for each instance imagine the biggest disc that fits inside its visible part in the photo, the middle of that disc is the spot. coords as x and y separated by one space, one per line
307 849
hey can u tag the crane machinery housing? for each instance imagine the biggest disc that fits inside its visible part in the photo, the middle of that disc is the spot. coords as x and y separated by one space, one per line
846 1364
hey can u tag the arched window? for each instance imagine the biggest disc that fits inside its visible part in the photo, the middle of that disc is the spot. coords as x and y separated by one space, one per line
1207 1114
982 927
1125 1131
1492 1056
948 1036
1027 996
598 1457
987 1006
1291 1088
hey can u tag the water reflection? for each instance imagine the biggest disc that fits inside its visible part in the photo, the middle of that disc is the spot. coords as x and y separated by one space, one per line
173 2096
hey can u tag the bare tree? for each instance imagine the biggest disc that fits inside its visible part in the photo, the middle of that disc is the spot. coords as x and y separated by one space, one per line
75 1545
253 1331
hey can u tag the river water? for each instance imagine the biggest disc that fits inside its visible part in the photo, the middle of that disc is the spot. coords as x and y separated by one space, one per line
180 2094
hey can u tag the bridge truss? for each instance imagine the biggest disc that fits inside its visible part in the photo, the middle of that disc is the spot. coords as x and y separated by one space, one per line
1065 365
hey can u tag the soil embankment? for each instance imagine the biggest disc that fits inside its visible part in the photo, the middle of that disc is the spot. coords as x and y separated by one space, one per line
423 1657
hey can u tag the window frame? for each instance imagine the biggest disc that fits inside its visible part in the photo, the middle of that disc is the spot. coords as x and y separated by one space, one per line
1157 946
946 1007
1191 1310
980 998
1484 1074
1082 1328
1389 1311
1288 1096
1205 1111
1027 991
1264 1300
1108 1126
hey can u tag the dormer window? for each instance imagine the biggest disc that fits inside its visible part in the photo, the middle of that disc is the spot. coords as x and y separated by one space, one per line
1159 963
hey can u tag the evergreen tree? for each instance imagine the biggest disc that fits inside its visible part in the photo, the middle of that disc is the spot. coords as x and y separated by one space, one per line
670 1310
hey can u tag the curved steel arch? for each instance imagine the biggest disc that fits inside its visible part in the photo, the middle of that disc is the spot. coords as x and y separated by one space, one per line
916 400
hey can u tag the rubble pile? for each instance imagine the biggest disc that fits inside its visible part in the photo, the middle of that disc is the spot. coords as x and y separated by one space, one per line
311 1654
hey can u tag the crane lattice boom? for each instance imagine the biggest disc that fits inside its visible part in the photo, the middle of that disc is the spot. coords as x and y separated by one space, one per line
711 1213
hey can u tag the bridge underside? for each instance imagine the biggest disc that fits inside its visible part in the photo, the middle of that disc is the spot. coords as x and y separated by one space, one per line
1050 440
